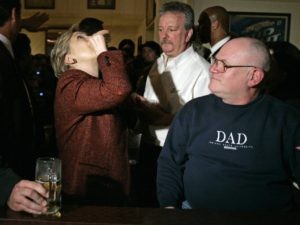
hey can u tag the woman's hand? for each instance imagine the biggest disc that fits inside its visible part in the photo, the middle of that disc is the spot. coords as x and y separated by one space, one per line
97 40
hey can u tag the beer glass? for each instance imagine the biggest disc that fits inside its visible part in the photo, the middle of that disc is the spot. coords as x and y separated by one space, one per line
48 173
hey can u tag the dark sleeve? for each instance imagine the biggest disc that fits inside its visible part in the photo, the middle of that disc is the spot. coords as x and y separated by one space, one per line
295 159
8 179
171 164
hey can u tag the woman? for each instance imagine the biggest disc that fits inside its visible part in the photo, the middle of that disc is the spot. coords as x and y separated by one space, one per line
90 134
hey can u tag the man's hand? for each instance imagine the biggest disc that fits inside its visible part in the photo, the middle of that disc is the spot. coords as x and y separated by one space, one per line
28 196
35 22
152 113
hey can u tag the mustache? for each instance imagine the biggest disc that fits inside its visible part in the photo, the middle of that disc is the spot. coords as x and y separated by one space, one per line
165 42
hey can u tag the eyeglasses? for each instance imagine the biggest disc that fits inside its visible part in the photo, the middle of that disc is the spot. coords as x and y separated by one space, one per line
222 66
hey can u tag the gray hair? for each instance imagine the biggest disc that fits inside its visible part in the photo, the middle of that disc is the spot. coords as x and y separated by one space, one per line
263 51
180 7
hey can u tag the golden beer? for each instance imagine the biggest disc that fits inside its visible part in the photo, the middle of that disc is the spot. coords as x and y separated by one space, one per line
48 173
54 199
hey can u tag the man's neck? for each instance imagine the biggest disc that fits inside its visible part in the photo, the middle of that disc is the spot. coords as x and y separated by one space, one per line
216 37
241 100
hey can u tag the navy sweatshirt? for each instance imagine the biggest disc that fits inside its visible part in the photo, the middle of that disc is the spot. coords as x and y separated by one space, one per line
237 157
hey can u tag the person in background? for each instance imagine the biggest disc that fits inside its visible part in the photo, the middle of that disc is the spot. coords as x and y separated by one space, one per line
34 23
91 135
236 149
43 85
17 116
213 28
176 77
22 53
127 46
16 130
24 60
150 52
40 80
286 79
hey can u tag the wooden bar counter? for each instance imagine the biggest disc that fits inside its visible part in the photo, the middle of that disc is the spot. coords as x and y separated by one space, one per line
95 215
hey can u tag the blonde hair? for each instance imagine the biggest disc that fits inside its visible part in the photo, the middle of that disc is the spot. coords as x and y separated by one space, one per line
60 50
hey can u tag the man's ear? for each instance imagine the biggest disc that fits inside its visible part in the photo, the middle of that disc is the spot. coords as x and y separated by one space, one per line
214 24
189 35
256 77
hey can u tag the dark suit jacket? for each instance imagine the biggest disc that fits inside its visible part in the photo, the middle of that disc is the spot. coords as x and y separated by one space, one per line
16 119
7 181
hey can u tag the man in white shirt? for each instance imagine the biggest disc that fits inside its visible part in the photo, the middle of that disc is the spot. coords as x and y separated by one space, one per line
178 76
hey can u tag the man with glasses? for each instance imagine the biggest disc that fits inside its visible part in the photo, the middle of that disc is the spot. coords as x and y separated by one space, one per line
236 149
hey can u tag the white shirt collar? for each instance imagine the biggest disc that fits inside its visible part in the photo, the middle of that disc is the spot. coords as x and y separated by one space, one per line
218 45
171 62
7 44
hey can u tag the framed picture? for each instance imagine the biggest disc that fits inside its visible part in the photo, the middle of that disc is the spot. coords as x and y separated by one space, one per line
150 11
101 4
268 27
38 4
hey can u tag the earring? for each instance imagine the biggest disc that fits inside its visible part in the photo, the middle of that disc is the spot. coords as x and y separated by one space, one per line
74 61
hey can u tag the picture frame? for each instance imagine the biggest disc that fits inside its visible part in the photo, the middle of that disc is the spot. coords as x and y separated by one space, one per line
38 4
101 4
268 27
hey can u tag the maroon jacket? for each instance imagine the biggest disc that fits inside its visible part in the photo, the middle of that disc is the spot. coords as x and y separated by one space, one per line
91 137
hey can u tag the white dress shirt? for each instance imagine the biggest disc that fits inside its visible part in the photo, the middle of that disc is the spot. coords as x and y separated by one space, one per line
172 82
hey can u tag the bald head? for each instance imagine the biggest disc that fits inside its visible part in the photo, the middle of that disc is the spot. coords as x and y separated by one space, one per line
238 71
248 51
